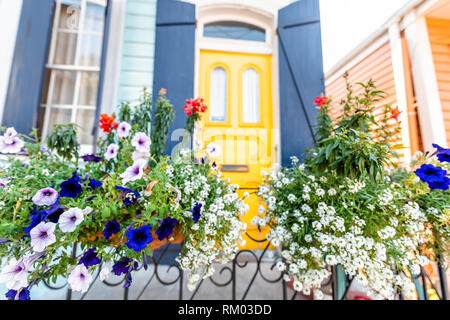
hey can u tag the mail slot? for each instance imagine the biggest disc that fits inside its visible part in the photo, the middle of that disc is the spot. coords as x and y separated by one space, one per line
234 168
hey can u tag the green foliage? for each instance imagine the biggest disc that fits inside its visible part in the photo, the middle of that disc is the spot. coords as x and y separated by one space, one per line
64 141
139 116
191 121
356 145
163 117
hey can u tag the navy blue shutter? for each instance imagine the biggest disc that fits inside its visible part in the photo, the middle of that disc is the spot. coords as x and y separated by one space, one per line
301 76
174 58
28 67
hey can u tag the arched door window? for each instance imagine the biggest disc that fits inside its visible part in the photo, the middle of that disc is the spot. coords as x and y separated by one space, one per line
218 95
250 95
234 30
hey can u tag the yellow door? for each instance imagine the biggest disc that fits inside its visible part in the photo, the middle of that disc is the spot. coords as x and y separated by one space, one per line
237 89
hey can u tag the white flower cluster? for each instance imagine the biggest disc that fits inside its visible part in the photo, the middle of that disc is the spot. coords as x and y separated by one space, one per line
215 235
314 228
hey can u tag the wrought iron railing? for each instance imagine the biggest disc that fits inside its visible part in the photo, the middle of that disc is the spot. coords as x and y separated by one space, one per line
250 270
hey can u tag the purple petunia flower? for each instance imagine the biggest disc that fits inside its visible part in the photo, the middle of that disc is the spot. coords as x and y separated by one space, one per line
111 151
71 188
123 130
141 142
138 239
10 133
45 197
90 258
124 266
42 236
24 294
10 143
134 172
91 158
196 212
70 219
111 227
166 227
15 274
442 154
4 183
80 279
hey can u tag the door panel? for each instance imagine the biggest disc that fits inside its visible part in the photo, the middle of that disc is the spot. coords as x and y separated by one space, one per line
239 81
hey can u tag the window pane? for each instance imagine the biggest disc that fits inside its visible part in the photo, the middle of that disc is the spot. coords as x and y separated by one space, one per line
234 30
41 118
218 95
64 87
70 15
58 116
85 119
95 17
251 96
91 50
88 89
66 44
45 86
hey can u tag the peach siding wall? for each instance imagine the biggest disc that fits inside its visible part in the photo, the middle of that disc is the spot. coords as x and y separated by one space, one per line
376 66
439 33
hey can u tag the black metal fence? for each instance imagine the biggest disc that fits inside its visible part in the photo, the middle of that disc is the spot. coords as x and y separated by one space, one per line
252 274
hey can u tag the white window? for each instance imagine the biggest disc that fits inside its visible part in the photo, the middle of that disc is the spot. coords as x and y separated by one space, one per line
72 71
218 95
250 94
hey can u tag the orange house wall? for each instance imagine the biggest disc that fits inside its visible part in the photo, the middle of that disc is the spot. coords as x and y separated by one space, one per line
376 66
439 34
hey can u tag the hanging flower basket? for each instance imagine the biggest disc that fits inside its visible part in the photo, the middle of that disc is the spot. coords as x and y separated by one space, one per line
347 205
118 205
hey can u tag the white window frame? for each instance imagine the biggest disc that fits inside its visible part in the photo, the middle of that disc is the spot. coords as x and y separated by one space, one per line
50 66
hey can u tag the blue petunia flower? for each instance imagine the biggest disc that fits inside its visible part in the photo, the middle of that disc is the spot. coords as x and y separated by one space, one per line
54 212
93 184
429 173
138 239
441 185
36 218
442 154
129 196
111 227
166 227
23 295
90 258
71 188
435 177
124 266
196 212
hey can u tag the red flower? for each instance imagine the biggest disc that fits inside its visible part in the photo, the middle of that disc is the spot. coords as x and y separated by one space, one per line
321 101
395 114
107 122
163 92
194 106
